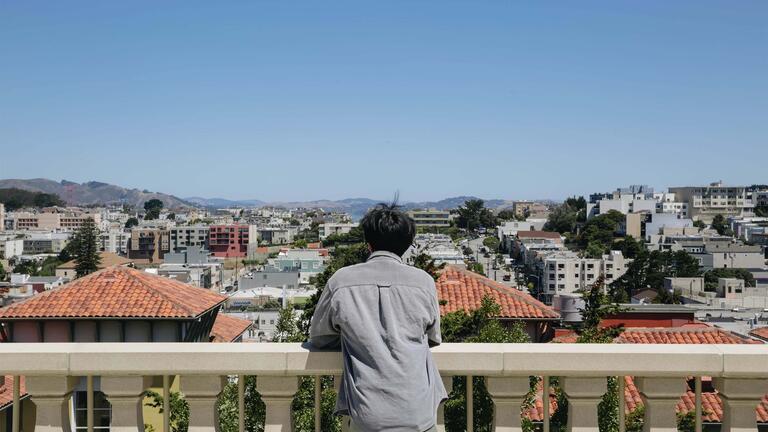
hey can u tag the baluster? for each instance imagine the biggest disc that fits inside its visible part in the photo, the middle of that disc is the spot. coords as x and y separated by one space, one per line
470 404
277 394
448 384
202 393
740 398
318 403
660 397
50 395
126 395
508 395
583 395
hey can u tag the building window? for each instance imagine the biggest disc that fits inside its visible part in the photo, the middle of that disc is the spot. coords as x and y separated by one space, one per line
271 321
102 411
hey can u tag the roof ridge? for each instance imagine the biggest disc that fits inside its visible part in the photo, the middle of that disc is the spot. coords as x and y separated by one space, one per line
157 291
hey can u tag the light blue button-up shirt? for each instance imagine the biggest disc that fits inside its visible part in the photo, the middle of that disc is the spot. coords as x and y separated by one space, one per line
384 314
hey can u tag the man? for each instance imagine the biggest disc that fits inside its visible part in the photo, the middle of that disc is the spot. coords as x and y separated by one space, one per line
385 316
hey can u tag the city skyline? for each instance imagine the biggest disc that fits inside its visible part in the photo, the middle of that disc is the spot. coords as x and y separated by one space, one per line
306 101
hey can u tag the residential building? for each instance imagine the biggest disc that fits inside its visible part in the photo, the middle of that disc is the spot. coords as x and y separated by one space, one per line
731 255
149 244
634 199
53 219
143 308
329 228
276 235
115 241
526 209
431 218
566 272
259 296
232 240
690 287
269 277
2 217
189 236
460 289
11 247
657 222
705 202
529 245
45 242
307 262
507 231
439 247
68 269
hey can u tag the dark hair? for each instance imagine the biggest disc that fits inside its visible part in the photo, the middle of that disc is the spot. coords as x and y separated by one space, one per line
388 228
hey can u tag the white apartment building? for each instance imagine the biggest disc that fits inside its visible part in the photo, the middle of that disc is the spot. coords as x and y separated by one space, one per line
11 247
2 217
114 241
634 199
566 272
431 218
182 237
704 202
330 228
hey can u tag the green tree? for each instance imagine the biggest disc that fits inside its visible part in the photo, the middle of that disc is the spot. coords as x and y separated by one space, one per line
601 229
720 225
698 223
473 215
506 215
85 249
255 410
152 209
492 243
300 243
711 277
15 199
26 267
761 210
285 327
355 235
595 249
565 217
179 416
2 272
427 263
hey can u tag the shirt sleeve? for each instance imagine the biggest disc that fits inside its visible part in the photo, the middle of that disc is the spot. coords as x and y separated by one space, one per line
323 332
433 330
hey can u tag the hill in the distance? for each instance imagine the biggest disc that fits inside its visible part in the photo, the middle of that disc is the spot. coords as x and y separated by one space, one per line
92 192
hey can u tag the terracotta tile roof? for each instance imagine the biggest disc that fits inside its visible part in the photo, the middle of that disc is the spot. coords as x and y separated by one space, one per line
460 289
227 328
6 390
108 259
681 335
761 333
539 235
117 292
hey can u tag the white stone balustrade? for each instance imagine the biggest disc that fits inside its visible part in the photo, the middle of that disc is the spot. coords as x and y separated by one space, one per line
52 371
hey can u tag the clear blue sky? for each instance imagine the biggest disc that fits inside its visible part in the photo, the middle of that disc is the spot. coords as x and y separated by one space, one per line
294 100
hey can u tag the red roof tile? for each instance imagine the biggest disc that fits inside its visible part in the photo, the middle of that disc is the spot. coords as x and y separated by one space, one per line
761 333
117 292
6 390
460 289
681 335
227 328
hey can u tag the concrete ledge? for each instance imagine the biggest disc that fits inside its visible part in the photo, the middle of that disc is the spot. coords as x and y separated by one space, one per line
273 359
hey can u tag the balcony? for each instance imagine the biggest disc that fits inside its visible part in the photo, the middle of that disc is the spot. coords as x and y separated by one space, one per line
740 374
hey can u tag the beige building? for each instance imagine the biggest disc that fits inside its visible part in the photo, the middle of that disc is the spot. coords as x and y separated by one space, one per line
565 272
523 209
149 244
53 219
705 202
431 218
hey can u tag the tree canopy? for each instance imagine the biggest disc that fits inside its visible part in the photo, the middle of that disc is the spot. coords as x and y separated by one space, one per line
473 215
15 199
565 217
152 209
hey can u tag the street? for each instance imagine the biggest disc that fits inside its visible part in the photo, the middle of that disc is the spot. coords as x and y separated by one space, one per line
497 275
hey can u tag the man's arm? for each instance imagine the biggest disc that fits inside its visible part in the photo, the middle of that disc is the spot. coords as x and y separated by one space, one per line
433 330
323 333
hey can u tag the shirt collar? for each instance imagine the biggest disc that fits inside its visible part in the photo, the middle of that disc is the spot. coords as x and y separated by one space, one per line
385 254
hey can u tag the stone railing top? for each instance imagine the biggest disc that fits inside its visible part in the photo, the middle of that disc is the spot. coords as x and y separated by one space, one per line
79 359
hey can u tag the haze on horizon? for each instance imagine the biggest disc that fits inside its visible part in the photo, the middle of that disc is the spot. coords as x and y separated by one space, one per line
292 101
